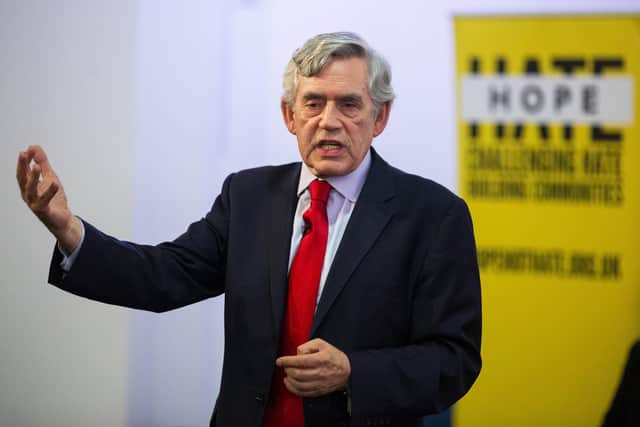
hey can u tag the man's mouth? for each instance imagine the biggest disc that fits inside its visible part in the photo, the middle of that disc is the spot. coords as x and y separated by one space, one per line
329 145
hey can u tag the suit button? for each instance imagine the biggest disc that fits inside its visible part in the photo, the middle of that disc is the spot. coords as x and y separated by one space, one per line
260 397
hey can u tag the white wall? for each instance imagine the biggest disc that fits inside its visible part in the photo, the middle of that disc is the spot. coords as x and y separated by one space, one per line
144 107
66 82
181 136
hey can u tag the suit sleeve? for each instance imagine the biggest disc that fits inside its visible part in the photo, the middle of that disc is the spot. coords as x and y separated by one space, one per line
442 359
155 278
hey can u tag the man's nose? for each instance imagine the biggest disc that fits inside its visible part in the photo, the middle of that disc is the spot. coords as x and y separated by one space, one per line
330 118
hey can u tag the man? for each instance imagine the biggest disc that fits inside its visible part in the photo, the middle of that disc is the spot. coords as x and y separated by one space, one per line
351 288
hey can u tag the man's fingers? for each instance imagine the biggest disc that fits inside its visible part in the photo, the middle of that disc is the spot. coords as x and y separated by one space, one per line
21 170
302 374
313 346
40 157
318 368
290 362
302 361
32 184
48 194
301 386
302 389
306 350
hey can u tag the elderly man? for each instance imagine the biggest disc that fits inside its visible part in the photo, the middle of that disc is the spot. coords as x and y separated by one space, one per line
352 288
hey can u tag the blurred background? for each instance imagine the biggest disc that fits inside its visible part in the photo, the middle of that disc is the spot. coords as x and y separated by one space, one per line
145 106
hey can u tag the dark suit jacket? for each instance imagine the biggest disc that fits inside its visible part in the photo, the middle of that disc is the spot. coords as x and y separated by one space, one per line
402 299
625 407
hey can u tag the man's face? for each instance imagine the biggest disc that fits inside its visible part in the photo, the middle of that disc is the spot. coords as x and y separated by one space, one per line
333 119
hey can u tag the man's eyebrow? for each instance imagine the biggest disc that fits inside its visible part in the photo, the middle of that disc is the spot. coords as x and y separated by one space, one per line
311 96
351 98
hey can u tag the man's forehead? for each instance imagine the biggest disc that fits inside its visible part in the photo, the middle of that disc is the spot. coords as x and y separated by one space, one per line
341 77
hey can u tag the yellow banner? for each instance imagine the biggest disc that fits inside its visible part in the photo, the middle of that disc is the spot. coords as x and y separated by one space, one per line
549 138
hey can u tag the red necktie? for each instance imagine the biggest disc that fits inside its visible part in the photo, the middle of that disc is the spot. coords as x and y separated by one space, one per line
285 409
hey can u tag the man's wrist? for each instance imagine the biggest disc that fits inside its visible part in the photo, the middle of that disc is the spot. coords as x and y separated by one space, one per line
70 257
69 240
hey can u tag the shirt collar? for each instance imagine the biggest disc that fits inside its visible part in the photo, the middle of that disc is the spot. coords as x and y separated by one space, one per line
349 185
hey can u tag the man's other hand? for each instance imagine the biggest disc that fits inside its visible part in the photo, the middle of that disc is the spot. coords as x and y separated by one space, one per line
318 369
43 193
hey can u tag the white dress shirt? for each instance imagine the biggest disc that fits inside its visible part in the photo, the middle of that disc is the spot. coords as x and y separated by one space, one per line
342 200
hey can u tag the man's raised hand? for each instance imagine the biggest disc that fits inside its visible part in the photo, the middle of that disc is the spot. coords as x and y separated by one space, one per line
43 193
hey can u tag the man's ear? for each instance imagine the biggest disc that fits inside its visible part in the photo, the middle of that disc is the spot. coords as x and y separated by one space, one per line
382 118
287 116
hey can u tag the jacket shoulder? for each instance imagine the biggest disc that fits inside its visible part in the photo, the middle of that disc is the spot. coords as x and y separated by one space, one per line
266 172
421 191
255 179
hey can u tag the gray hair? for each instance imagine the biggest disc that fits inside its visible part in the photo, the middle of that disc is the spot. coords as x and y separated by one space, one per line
319 51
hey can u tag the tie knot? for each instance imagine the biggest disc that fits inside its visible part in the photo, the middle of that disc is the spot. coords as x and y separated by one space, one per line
320 190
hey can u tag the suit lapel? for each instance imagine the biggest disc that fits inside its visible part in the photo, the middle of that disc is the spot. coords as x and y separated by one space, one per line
369 218
280 220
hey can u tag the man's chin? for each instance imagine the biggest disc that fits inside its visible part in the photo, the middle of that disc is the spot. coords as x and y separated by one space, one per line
329 168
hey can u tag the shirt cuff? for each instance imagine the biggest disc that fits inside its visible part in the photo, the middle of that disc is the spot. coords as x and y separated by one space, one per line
68 260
